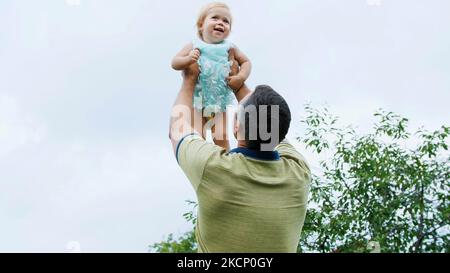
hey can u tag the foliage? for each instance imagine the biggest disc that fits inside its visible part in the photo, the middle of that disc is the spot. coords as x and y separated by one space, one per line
186 243
372 188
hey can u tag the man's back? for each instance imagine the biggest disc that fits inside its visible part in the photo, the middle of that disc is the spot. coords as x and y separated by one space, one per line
248 201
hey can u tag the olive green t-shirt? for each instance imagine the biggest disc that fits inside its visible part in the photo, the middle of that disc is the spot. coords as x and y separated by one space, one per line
247 201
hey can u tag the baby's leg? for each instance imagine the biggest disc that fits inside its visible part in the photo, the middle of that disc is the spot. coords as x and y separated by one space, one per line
219 131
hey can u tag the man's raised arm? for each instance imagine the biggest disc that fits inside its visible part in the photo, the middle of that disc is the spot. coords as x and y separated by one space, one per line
182 119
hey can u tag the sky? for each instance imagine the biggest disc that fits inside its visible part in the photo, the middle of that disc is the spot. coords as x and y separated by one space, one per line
86 90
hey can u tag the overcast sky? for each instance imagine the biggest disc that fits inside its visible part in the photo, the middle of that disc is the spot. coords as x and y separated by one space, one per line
86 90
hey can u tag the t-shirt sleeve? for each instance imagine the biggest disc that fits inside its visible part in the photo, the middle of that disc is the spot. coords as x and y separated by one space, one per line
193 153
287 150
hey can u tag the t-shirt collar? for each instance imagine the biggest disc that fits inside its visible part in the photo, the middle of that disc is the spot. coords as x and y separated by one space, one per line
261 155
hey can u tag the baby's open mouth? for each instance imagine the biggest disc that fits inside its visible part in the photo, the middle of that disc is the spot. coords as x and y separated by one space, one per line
219 29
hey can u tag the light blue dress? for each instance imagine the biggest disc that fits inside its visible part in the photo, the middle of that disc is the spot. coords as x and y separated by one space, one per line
212 92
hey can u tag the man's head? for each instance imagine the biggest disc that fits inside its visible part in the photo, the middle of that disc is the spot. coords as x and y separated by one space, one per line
263 119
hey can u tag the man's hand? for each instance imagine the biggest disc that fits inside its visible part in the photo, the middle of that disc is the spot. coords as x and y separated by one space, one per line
235 82
234 62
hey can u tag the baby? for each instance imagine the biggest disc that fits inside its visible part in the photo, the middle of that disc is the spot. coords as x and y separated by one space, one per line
214 88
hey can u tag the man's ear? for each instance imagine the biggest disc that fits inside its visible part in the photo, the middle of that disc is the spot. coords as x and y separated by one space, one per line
237 130
235 125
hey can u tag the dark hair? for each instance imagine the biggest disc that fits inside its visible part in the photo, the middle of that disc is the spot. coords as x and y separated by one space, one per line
265 96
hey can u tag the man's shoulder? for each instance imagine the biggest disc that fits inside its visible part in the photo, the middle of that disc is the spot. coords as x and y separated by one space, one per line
194 146
194 154
288 152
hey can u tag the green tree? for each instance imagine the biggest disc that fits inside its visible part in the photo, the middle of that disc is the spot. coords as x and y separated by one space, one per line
185 243
371 190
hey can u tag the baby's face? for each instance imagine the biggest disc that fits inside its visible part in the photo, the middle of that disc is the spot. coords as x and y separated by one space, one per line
217 25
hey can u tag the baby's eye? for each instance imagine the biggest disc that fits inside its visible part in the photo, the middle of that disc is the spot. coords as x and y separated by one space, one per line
226 21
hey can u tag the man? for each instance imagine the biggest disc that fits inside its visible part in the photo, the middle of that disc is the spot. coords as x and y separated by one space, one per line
253 198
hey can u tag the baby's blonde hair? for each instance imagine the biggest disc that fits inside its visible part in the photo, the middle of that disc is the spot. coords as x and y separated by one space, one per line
204 12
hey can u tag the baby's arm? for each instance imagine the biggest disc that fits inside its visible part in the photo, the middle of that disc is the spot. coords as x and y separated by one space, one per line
236 81
187 56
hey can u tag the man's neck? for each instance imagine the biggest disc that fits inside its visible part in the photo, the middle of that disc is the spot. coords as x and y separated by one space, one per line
241 144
